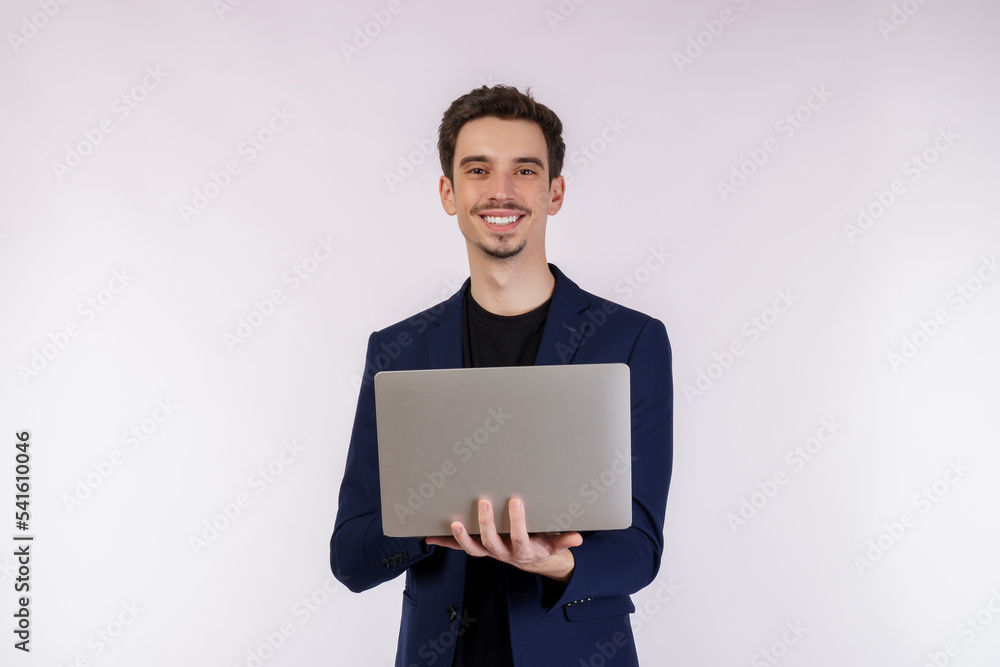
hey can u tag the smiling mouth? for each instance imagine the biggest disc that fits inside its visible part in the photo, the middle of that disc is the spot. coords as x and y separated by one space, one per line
502 220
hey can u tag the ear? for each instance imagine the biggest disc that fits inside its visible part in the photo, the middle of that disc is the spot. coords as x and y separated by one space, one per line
447 195
557 190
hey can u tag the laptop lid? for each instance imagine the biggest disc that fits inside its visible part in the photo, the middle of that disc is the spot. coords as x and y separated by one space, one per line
558 437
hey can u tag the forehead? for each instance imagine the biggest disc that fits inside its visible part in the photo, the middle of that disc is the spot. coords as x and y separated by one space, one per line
501 139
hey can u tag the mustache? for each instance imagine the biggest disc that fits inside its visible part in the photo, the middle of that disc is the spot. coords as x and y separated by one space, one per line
492 204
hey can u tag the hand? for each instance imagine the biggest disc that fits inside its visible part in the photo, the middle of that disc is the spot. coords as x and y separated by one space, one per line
547 554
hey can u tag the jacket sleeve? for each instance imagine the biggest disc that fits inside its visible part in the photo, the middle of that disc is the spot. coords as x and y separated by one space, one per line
361 556
621 562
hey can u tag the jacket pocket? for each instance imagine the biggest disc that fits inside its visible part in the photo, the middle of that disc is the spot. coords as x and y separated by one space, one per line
584 610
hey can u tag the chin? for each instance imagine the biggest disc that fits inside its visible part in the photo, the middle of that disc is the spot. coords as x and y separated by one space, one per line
503 252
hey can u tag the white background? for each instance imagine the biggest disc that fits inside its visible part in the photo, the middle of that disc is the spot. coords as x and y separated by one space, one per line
682 123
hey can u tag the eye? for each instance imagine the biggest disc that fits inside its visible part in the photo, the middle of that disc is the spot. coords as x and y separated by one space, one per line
477 170
526 171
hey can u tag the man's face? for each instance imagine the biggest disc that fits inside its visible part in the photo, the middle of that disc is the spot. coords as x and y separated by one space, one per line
500 190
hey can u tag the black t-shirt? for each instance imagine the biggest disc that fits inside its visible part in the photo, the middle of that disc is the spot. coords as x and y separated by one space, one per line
492 340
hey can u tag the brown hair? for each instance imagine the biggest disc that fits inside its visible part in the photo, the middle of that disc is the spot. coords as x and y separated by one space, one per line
500 101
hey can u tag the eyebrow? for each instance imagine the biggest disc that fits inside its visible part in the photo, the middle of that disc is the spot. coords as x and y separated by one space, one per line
482 158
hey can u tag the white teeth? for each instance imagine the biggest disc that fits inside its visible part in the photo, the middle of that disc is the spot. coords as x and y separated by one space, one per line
506 220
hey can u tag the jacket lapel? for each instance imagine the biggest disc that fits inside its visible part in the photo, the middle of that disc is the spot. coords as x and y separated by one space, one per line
444 337
561 336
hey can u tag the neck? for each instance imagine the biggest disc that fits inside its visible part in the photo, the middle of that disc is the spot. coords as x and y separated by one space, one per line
511 286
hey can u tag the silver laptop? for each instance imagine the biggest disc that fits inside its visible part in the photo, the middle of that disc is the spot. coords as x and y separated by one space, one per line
558 437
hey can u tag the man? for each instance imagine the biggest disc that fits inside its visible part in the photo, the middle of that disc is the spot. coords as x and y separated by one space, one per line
517 599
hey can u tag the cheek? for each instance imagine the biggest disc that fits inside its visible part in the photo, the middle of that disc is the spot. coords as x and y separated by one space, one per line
467 197
544 202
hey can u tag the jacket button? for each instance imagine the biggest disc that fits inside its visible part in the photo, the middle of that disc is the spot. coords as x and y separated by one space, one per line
452 613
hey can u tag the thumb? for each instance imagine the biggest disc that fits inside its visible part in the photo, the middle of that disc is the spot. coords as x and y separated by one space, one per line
567 540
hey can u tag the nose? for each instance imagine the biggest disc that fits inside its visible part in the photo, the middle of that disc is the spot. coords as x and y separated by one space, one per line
501 185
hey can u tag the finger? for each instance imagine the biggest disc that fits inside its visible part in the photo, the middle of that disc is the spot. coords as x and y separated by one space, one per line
449 542
564 541
466 542
488 531
520 543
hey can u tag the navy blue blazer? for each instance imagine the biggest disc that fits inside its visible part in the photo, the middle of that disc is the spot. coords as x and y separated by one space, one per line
551 624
